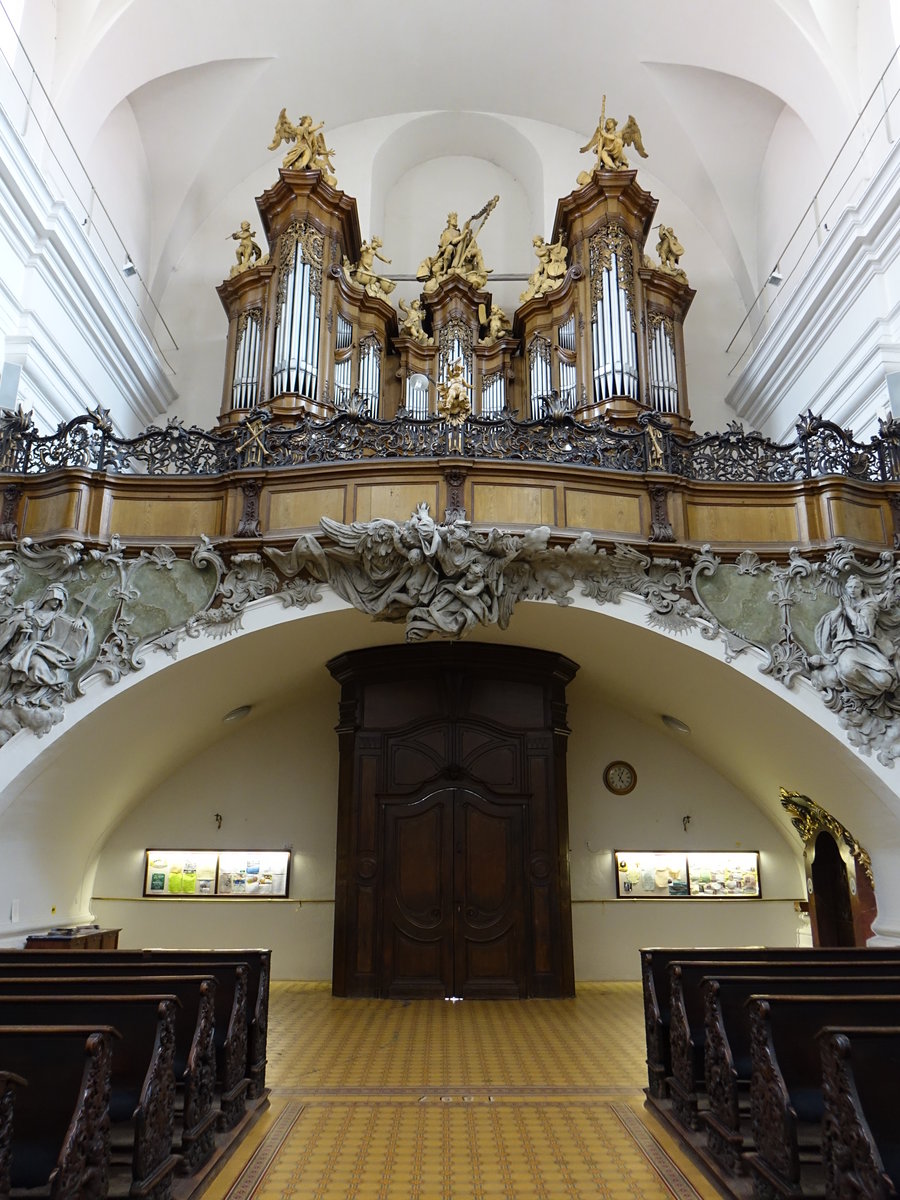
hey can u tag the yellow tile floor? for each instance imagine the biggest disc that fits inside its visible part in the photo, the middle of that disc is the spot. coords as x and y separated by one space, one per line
477 1100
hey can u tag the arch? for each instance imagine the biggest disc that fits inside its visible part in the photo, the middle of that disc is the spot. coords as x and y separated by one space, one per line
116 743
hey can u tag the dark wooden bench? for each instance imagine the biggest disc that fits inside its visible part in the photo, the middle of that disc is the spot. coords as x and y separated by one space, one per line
688 1014
194 1058
259 966
142 1093
860 1128
786 1100
9 1083
231 1021
655 983
60 1129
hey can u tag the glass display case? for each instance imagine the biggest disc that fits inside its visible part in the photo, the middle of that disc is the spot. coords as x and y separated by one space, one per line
667 875
197 873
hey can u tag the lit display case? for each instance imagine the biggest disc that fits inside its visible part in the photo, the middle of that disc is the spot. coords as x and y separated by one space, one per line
231 873
668 875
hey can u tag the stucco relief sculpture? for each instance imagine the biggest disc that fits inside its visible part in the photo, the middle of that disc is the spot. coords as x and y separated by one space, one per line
670 251
364 274
248 253
458 252
609 142
308 151
550 271
859 651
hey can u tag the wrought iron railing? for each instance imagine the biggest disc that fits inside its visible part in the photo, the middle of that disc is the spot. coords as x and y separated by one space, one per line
259 441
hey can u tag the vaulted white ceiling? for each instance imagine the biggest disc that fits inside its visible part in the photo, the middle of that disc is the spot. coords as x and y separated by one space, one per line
742 103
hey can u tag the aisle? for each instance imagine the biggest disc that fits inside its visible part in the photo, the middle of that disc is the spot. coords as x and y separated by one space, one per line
480 1100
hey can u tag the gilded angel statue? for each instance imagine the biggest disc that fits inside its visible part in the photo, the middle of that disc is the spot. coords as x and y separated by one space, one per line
308 152
609 142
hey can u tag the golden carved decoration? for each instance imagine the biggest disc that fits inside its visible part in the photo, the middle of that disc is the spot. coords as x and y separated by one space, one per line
364 274
497 322
458 252
412 323
248 253
312 248
808 818
453 403
670 251
550 271
610 250
609 142
308 151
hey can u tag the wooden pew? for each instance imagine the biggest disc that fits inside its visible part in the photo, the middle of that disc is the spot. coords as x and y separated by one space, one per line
231 1020
786 1101
142 1090
654 979
60 1133
9 1083
687 1013
258 961
194 1060
860 1129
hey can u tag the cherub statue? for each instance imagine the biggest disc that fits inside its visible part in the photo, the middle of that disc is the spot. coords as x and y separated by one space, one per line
609 142
551 268
364 274
670 251
248 253
309 152
497 322
458 252
412 324
454 404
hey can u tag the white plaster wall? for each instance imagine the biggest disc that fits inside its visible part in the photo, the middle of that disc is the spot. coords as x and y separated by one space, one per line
274 782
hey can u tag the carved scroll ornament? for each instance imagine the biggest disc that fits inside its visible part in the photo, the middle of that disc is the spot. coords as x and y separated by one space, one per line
808 818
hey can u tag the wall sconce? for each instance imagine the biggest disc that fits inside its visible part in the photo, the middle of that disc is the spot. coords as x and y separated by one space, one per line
776 278
128 267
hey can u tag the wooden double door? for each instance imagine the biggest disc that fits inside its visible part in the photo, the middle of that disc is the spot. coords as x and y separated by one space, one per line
453 911
452 856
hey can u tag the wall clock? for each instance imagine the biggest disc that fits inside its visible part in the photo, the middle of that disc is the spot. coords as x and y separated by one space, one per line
620 777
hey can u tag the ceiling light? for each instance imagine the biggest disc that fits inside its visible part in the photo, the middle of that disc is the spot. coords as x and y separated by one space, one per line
674 723
128 267
776 278
238 714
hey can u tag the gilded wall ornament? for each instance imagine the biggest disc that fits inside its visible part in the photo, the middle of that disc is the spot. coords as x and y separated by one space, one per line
809 818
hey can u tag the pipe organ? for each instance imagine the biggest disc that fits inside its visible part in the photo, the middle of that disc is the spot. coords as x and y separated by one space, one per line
600 339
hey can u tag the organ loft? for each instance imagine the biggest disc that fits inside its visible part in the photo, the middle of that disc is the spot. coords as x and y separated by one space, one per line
597 335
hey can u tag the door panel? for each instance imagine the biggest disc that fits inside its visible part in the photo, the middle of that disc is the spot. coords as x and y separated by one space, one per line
490 919
418 896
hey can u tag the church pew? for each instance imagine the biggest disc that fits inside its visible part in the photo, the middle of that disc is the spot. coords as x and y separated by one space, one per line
860 1129
259 968
194 1059
9 1083
786 1101
60 1132
688 1015
655 983
142 1089
231 1018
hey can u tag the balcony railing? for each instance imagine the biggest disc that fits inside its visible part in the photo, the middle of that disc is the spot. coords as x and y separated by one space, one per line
260 443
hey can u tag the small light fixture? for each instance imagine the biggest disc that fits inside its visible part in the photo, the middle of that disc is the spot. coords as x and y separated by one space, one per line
673 723
238 714
776 278
128 267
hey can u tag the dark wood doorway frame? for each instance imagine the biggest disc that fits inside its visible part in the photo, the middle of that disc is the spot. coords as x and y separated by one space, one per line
452 857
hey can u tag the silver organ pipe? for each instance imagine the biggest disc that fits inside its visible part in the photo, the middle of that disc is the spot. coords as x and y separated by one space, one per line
567 372
417 397
245 382
663 377
370 372
614 338
343 343
297 336
539 374
493 394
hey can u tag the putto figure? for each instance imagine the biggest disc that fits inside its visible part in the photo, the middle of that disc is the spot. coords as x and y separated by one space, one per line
458 252
670 251
551 268
248 253
364 274
609 142
308 152
412 324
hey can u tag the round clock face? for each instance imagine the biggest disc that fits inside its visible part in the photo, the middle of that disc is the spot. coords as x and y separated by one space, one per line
620 777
